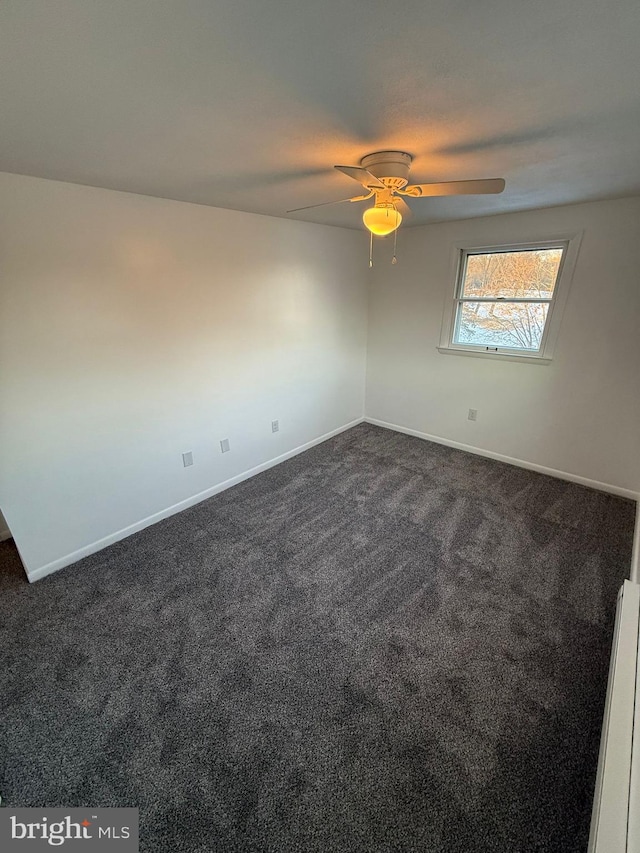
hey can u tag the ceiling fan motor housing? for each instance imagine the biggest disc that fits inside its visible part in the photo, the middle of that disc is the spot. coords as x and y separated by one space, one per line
391 167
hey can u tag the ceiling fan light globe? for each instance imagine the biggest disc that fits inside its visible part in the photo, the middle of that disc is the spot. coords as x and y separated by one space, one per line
382 219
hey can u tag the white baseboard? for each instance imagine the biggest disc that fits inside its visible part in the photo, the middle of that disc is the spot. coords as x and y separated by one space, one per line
68 559
520 463
5 533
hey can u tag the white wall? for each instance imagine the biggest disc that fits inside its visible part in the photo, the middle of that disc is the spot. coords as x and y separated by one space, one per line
133 329
581 413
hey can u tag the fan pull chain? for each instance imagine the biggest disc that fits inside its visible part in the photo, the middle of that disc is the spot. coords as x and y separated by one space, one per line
394 259
370 249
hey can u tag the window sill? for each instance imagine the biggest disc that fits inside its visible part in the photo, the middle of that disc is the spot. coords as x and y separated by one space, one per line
501 356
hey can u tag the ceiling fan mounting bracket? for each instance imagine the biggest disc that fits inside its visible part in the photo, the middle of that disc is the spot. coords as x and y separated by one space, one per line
384 196
390 167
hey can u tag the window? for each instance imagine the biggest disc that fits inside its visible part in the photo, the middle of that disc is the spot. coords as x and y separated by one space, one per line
506 299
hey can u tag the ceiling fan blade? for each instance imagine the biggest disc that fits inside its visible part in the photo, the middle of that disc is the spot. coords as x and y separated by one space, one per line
402 207
325 203
481 187
362 176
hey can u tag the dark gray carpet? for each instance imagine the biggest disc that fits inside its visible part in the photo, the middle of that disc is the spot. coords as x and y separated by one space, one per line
380 645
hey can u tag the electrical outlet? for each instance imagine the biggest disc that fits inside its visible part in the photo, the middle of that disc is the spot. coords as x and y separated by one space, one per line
187 459
473 414
224 446
275 426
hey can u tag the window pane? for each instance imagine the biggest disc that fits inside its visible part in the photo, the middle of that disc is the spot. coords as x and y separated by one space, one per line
522 275
516 325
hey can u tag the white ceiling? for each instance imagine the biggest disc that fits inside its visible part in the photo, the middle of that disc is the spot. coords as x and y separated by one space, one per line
246 104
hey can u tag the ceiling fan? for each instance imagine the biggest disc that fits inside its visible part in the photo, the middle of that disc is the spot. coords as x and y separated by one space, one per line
385 175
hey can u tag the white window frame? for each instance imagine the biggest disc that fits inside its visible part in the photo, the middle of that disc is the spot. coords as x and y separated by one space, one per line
570 243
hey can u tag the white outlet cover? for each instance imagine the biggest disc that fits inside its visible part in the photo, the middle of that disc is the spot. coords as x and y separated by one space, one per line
187 459
224 445
275 426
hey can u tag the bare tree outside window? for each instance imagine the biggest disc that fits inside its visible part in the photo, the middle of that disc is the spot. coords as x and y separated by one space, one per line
504 297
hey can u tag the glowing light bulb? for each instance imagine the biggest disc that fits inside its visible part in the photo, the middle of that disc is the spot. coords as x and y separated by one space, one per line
382 219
